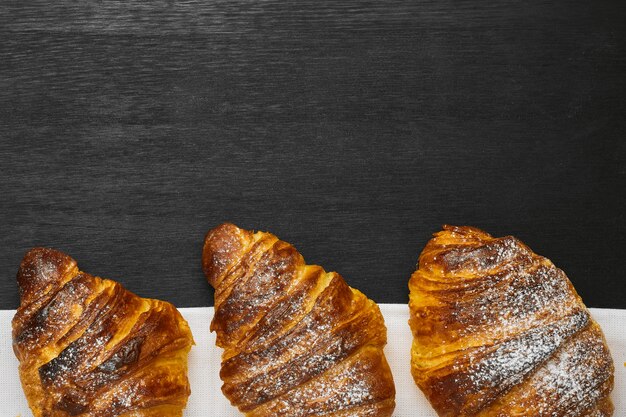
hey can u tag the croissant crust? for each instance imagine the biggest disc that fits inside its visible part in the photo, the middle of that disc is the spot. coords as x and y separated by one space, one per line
297 341
89 347
500 331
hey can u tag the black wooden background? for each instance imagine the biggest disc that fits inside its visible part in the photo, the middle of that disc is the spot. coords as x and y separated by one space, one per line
351 129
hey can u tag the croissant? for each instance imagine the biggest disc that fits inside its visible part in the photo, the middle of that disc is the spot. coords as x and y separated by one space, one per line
500 331
89 347
298 341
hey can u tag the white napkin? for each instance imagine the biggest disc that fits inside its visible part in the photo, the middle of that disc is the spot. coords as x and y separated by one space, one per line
204 362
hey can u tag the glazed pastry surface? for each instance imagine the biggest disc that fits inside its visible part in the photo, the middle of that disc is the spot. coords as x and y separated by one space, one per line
89 347
500 331
297 341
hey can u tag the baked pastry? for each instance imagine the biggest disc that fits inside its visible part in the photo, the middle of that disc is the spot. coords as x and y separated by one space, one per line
500 331
298 341
89 347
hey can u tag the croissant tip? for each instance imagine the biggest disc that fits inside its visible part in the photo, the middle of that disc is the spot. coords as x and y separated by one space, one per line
463 230
225 227
454 228
37 250
40 267
221 244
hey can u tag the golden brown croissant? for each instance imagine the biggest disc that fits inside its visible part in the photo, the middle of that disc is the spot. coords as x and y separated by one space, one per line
88 347
500 331
298 341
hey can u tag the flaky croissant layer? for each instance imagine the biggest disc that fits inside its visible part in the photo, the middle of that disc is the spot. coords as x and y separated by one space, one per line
297 341
500 331
89 347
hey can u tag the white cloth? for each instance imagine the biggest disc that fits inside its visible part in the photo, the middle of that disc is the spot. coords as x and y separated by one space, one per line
204 363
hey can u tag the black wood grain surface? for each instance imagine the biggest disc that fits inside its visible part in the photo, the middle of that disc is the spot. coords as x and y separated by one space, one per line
351 129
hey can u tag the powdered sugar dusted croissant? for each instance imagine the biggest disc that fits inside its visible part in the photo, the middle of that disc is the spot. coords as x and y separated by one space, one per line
88 347
500 331
297 341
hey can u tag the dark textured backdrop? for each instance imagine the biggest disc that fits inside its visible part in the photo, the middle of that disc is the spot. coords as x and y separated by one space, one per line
351 129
